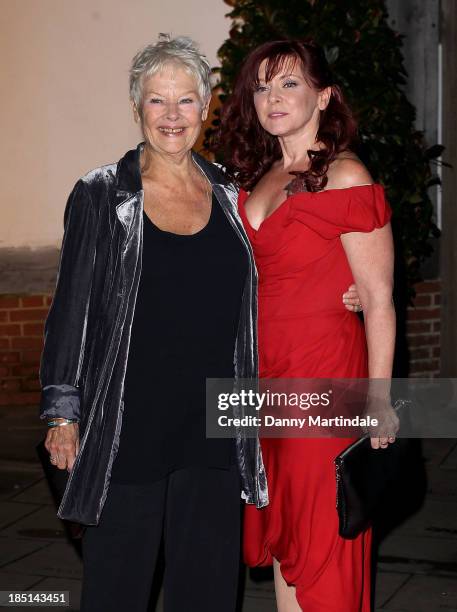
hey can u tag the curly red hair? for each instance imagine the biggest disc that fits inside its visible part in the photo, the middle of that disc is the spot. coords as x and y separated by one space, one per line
248 150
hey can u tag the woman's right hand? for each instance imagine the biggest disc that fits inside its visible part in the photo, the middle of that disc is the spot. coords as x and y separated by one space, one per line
63 445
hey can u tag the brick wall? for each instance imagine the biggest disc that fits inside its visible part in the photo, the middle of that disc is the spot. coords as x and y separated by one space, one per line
423 330
21 340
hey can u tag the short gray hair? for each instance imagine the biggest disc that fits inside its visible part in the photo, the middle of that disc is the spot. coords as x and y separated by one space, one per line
181 51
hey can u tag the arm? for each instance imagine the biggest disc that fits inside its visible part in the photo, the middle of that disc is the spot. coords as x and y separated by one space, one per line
347 171
371 258
65 327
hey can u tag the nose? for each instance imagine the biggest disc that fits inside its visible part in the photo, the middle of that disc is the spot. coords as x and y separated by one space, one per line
273 95
172 111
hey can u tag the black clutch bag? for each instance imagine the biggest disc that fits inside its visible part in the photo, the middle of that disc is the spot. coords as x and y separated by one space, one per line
57 480
363 477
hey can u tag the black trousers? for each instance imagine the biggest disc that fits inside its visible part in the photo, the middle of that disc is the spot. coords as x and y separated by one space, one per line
197 512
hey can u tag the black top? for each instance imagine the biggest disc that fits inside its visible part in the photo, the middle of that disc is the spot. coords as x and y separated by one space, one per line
184 329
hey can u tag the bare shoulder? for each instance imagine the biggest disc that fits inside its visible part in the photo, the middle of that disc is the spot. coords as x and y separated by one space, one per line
347 171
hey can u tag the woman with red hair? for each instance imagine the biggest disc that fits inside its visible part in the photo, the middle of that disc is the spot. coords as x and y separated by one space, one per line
316 223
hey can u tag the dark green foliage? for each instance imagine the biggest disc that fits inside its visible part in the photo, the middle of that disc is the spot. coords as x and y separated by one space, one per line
365 54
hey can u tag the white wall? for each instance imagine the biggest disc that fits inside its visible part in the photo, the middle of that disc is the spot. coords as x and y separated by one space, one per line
64 104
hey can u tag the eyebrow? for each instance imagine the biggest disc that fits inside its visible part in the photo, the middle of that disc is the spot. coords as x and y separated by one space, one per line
186 93
285 76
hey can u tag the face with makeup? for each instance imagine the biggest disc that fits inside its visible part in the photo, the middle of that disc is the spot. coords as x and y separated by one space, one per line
288 105
172 111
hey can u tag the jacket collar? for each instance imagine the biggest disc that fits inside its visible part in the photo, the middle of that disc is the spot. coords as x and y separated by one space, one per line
129 187
212 171
128 176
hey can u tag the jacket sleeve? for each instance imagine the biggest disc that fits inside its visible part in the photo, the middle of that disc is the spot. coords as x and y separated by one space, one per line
66 323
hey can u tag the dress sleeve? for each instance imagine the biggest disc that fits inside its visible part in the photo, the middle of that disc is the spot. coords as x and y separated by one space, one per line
340 211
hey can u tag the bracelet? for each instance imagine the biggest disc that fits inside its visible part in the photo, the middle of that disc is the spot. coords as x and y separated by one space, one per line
62 423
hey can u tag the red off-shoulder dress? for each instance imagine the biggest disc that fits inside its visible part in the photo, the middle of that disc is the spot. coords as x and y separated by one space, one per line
305 331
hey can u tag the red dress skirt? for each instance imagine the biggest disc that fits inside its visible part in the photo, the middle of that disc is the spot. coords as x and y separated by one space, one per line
305 331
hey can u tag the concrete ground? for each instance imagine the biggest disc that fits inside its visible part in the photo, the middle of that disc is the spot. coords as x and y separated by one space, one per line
416 551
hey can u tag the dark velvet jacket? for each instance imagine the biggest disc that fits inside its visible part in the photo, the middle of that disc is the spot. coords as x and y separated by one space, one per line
88 327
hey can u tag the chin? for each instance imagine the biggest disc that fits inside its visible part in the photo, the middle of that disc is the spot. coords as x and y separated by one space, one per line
282 131
174 147
278 131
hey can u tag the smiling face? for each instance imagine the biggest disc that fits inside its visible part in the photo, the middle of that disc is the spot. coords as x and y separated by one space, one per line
172 112
288 105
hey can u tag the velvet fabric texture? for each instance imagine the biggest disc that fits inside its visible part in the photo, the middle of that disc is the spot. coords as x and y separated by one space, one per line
87 331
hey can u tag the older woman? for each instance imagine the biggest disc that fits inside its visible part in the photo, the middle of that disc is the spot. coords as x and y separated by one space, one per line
156 291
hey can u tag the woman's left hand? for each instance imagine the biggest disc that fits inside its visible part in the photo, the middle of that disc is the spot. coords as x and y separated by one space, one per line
382 442
388 423
351 299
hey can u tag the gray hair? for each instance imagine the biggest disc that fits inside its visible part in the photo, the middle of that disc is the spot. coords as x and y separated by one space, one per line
181 51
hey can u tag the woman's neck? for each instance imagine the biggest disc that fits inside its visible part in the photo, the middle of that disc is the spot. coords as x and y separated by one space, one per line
155 165
295 148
